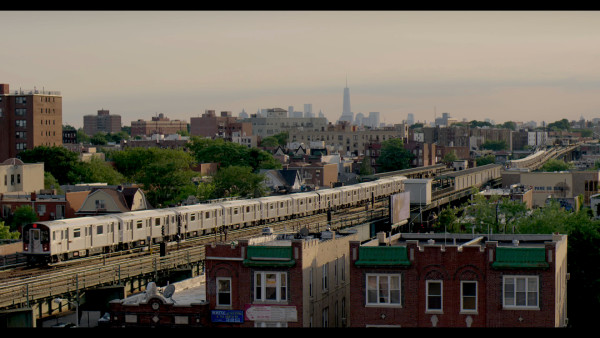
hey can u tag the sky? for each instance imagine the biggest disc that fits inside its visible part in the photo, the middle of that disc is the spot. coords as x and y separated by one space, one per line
474 65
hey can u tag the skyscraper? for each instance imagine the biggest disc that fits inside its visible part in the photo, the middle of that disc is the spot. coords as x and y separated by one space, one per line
347 114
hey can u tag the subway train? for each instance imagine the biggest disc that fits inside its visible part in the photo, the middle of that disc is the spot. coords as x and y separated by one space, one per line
65 239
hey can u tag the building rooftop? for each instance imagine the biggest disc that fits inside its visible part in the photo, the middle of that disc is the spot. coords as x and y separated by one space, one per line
186 292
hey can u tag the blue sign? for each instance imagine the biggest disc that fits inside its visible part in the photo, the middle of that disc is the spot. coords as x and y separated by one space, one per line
227 316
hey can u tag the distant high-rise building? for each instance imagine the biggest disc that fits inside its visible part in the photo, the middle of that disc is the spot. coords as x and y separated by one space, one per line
103 122
243 114
359 120
374 119
308 110
29 118
410 119
347 114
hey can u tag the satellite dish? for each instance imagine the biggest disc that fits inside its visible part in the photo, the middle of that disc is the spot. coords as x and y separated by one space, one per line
169 291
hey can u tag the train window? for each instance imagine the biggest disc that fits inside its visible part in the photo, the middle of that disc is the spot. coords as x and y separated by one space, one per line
207 214
139 224
247 209
99 230
53 235
192 217
157 221
235 211
271 206
76 233
281 205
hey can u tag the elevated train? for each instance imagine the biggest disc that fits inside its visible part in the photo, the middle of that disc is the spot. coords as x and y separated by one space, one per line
65 239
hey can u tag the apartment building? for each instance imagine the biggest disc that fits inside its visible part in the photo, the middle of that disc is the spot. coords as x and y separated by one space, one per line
276 121
458 280
348 139
158 125
223 126
19 177
29 118
564 185
103 122
280 281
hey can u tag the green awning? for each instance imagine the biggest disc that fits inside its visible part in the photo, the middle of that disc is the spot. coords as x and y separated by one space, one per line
276 256
382 255
520 258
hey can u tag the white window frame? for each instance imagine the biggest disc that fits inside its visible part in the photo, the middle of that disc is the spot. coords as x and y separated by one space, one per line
506 304
463 296
428 296
219 292
281 286
380 299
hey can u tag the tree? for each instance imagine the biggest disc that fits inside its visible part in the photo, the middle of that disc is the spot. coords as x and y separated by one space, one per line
6 233
393 156
58 161
97 170
509 125
494 145
99 139
23 215
556 165
560 125
450 157
485 160
365 167
238 181
231 154
51 183
166 181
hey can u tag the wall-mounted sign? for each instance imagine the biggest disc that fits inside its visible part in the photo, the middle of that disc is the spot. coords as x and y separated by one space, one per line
227 316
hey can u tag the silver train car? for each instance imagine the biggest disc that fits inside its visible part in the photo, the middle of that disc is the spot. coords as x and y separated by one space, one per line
65 239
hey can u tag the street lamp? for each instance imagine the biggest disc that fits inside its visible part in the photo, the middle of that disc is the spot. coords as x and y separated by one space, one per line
60 300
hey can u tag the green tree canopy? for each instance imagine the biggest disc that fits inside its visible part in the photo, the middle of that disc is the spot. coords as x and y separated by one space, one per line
560 125
231 154
23 215
365 167
393 156
238 181
557 165
494 145
97 170
487 159
58 161
6 233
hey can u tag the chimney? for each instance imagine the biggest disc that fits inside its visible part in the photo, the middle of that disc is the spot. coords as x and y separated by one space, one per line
3 88
33 196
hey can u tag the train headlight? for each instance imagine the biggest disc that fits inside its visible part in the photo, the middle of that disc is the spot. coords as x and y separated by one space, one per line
45 247
25 247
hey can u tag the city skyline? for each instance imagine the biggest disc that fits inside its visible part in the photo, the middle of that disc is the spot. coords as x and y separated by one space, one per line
474 65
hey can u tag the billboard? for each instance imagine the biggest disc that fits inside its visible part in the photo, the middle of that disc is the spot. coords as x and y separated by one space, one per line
399 207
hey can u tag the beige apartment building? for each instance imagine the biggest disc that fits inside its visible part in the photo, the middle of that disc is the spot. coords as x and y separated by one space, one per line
348 139
558 185
19 177
158 125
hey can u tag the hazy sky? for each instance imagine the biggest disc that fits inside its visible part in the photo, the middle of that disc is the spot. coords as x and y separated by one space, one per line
502 65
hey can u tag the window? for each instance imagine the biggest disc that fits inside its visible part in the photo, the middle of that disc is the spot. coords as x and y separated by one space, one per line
468 296
520 291
99 230
41 209
325 317
223 291
383 289
310 282
270 286
21 123
100 204
20 111
76 233
324 284
434 295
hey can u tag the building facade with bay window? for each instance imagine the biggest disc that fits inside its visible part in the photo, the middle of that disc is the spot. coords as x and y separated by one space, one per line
279 281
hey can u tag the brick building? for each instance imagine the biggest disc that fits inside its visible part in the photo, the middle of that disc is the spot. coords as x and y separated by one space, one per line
453 280
158 125
223 126
278 282
29 118
102 122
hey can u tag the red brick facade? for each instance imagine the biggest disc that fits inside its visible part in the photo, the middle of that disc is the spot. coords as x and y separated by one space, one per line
447 264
